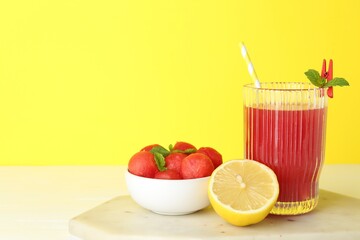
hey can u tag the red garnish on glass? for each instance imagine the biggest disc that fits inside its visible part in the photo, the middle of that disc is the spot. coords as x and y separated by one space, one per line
328 75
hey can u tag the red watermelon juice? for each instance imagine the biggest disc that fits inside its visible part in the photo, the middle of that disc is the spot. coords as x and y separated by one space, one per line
291 142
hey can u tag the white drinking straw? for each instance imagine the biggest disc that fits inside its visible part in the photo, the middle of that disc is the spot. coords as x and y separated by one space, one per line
249 64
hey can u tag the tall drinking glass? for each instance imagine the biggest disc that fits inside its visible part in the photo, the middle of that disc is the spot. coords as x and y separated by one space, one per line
284 128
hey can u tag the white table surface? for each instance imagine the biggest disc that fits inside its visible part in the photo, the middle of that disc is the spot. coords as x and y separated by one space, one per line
37 202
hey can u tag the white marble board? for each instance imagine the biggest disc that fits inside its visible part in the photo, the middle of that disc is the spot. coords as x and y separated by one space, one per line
336 217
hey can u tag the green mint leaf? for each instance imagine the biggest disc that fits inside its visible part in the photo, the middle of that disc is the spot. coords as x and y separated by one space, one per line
190 150
315 78
337 82
186 151
160 161
159 149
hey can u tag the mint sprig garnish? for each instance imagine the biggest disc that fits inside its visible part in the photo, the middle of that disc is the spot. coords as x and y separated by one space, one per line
337 82
186 151
317 80
160 161
159 149
159 155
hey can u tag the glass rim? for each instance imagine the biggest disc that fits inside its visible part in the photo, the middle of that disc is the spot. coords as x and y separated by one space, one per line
269 86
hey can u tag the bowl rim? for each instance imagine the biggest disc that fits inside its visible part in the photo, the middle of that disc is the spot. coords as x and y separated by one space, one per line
166 180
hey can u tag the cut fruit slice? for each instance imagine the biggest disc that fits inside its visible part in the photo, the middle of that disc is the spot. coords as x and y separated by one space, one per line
243 192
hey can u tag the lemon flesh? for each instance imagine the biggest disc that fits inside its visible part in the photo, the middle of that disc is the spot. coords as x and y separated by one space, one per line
243 192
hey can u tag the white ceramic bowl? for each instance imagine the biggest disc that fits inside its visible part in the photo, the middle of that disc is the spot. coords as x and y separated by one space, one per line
168 197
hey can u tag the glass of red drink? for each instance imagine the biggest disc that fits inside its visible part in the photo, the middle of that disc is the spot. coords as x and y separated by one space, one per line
284 128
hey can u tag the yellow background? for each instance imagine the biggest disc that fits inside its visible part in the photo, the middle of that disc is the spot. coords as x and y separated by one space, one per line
91 82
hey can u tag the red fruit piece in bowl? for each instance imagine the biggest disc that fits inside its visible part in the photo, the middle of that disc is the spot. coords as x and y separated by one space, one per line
183 147
196 165
149 147
143 164
173 161
168 174
214 155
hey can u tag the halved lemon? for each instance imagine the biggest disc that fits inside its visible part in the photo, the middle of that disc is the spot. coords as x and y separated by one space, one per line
243 192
